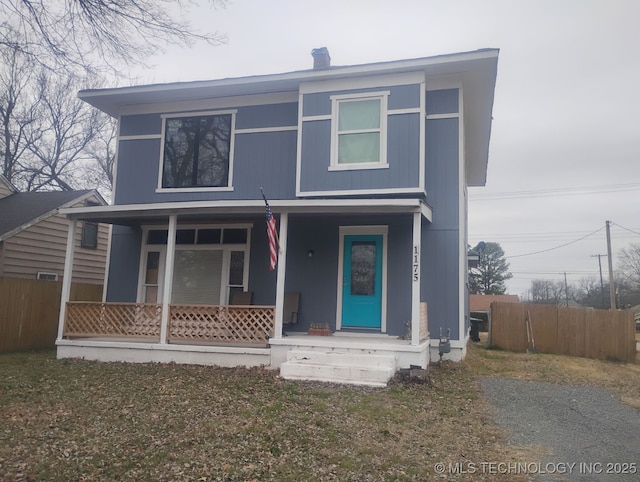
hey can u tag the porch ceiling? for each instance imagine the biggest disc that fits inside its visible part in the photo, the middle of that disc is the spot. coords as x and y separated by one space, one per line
128 214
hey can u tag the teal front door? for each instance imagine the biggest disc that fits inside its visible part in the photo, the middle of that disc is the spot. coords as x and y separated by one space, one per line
362 281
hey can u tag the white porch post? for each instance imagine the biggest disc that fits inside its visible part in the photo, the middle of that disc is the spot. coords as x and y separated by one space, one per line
67 275
280 274
415 278
168 277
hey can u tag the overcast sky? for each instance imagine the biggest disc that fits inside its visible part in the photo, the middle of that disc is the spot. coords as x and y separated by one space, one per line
565 135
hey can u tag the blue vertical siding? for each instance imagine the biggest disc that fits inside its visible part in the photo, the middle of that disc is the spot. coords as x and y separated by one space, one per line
265 159
403 155
271 115
440 241
315 278
403 144
122 285
141 125
442 101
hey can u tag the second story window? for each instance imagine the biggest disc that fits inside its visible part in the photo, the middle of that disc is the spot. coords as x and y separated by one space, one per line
197 151
359 134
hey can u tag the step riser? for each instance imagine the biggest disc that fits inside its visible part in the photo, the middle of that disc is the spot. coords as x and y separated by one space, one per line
341 359
339 367
336 374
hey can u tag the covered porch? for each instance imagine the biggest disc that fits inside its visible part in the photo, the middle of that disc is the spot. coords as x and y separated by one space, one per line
222 333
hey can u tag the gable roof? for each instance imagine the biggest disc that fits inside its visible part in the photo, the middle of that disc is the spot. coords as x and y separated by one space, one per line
23 209
479 303
10 187
475 70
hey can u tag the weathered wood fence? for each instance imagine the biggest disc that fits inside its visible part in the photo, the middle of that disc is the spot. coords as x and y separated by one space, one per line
583 332
29 311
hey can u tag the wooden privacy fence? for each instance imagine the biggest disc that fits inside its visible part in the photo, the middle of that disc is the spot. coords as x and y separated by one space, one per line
583 332
29 311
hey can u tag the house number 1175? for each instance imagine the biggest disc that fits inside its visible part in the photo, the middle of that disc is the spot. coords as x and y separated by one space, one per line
416 264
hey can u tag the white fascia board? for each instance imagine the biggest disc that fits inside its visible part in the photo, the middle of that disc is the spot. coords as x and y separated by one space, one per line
112 100
248 207
370 82
208 103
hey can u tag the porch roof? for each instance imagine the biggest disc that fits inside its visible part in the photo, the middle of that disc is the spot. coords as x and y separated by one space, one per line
127 214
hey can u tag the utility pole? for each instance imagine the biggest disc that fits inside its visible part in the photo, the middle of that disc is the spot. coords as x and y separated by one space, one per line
612 288
599 256
566 290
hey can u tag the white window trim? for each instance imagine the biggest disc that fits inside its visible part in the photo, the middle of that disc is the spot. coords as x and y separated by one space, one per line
383 97
226 257
229 186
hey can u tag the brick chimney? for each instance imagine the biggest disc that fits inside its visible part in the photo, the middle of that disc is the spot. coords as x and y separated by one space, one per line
321 58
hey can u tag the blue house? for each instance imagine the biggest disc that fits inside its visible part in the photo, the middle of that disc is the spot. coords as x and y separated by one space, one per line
365 168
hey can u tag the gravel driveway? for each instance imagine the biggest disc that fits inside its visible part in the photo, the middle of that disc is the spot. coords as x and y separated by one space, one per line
592 436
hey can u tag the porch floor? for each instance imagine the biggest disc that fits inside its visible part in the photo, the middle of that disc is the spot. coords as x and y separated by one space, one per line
343 339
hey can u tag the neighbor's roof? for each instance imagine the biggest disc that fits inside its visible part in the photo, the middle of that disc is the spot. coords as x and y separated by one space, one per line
23 209
483 302
476 70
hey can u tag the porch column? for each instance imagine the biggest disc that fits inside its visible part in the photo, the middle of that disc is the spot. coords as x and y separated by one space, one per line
67 275
168 277
415 279
280 274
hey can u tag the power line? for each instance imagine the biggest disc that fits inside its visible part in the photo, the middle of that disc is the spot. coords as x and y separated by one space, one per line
567 191
627 229
556 247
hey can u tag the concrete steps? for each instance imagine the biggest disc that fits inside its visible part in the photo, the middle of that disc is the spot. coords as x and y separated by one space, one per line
339 367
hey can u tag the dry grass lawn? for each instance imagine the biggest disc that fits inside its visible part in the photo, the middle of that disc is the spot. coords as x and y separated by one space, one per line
80 420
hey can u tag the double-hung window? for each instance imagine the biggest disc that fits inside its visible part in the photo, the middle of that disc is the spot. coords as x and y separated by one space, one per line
359 131
198 151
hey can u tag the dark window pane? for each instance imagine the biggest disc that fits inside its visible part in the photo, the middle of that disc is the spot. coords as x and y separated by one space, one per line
186 236
153 263
209 236
89 235
157 236
363 268
196 151
234 236
236 270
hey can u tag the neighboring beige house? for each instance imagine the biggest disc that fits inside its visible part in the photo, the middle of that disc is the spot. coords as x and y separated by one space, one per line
33 235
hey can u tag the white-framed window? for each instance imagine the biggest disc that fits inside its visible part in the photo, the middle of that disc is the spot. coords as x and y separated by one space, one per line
211 263
43 275
197 151
359 131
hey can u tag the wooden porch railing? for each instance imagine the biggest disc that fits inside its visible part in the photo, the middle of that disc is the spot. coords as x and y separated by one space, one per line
132 320
221 324
187 323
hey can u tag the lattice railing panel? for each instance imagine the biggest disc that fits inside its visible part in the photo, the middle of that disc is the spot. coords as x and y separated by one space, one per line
221 324
89 319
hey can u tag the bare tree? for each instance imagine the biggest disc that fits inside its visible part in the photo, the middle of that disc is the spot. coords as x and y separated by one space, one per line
90 33
17 106
57 140
48 49
629 264
100 158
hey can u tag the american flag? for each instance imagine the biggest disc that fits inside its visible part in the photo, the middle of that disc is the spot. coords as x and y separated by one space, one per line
273 236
